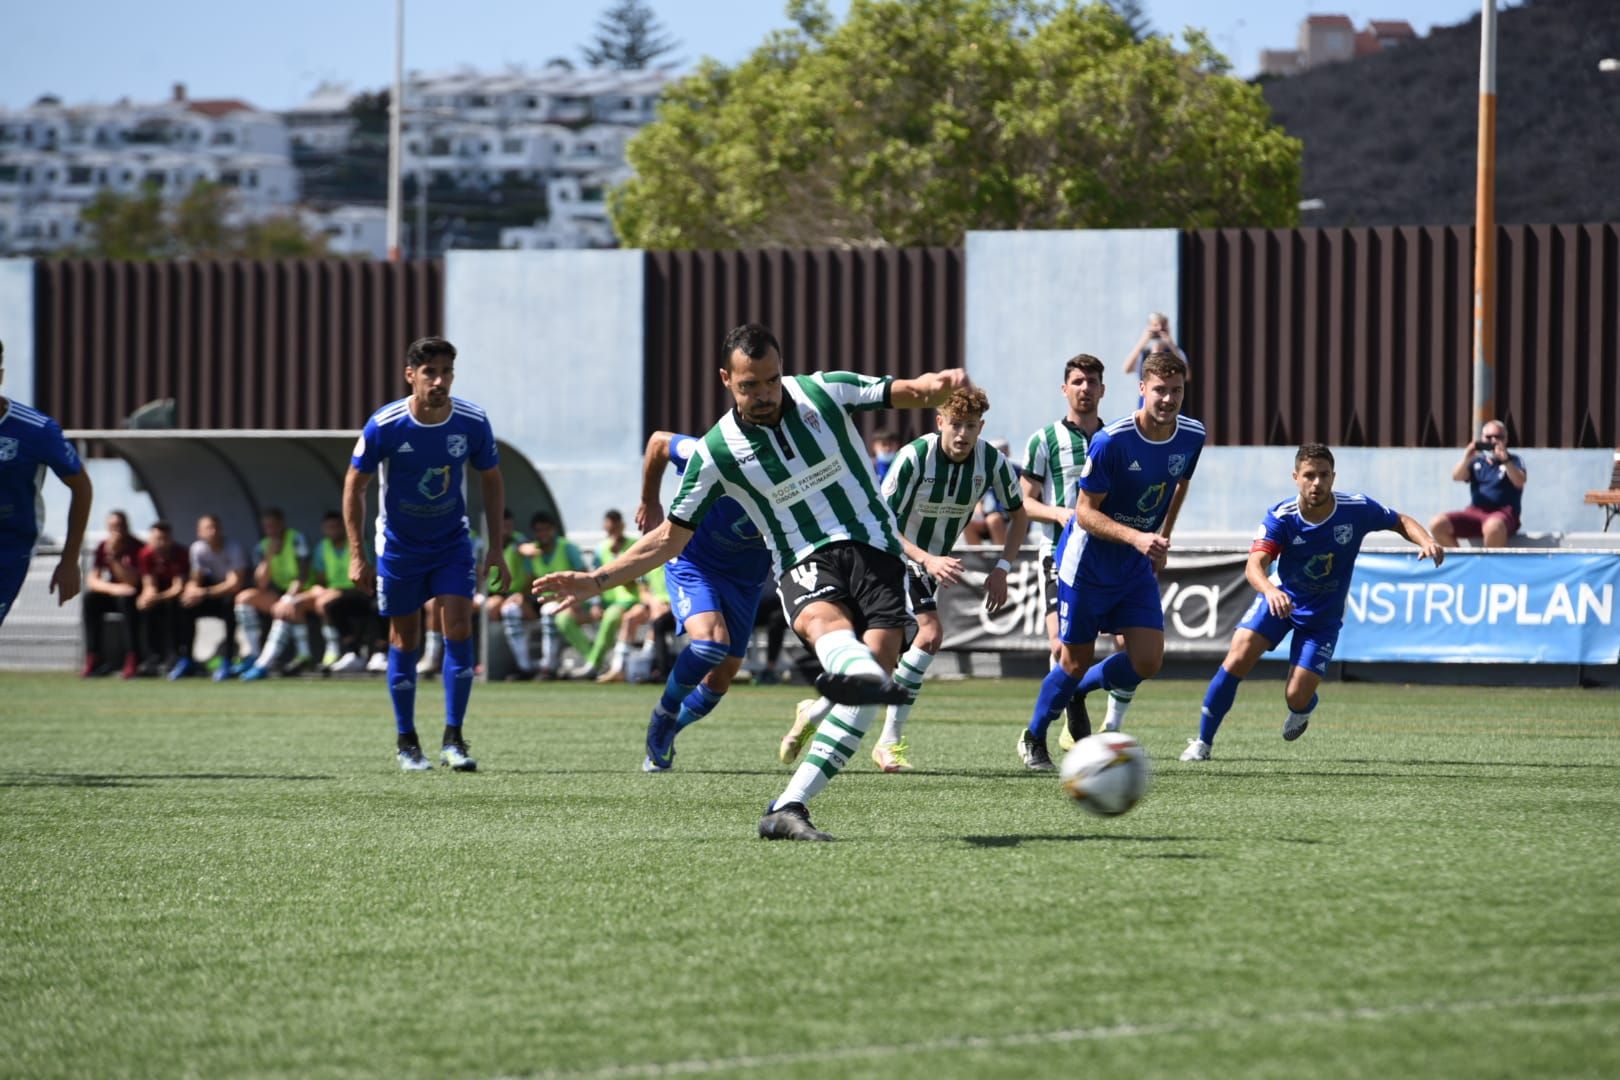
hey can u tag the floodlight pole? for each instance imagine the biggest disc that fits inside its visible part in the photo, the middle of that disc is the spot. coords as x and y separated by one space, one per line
396 113
1485 226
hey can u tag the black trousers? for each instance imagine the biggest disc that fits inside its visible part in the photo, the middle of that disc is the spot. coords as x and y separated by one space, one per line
95 609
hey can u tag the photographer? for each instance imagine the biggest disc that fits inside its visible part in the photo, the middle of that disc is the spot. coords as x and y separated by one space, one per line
1495 480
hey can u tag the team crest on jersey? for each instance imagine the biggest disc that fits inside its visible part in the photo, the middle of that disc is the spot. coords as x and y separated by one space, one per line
8 449
435 483
457 445
1177 464
1151 498
811 418
1343 533
1319 567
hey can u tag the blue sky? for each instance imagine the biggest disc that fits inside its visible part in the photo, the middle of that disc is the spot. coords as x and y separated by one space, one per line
273 54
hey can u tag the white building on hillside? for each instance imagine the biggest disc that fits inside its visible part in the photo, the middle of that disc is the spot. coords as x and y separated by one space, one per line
54 159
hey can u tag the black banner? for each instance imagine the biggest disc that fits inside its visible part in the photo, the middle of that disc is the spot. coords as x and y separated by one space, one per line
1203 597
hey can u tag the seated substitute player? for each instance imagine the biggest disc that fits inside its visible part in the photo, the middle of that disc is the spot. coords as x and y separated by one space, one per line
1314 538
932 489
550 553
715 583
344 609
1132 486
790 454
115 579
165 569
31 442
421 446
218 573
281 567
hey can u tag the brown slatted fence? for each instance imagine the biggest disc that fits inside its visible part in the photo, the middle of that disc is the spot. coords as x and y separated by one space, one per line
289 344
894 312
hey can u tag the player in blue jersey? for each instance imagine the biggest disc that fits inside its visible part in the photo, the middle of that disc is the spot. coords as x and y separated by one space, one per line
1130 490
30 443
421 446
1315 539
715 585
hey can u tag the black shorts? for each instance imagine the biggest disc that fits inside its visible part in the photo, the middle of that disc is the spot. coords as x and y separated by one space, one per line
1049 565
920 588
867 583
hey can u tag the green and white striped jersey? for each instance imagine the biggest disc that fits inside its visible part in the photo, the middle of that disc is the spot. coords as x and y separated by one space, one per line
805 483
933 497
1054 458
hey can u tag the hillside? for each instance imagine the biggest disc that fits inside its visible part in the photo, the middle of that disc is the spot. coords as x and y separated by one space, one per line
1390 139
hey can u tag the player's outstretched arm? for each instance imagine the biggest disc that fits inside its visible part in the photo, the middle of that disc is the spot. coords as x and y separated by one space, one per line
654 549
928 391
65 578
1427 548
355 483
650 514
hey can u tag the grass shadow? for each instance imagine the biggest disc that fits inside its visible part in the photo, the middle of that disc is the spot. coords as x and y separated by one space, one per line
127 780
1013 840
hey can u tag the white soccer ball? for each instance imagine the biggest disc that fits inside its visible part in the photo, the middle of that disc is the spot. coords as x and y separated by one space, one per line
1107 773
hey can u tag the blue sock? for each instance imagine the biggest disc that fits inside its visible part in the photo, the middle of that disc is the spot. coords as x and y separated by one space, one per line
1218 700
402 687
1309 708
1056 690
1113 673
458 679
696 660
698 704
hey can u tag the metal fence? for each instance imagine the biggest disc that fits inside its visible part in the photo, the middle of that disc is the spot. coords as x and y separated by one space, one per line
889 311
1363 337
285 344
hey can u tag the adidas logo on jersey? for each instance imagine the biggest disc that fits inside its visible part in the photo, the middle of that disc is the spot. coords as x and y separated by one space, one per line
405 448
1135 467
1299 539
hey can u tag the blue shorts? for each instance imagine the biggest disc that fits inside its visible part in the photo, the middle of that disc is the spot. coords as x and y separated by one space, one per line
1088 608
11 582
1312 647
405 583
693 591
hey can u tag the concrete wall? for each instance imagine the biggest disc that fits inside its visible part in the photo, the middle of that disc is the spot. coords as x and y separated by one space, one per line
550 345
17 327
1034 299
1235 484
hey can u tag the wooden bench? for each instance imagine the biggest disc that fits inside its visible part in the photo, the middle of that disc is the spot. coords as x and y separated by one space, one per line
1609 500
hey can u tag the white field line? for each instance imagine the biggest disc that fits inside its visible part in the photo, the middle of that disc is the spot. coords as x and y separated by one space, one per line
829 1055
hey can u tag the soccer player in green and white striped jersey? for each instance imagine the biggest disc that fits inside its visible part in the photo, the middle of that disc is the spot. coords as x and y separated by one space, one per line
1052 463
790 455
933 487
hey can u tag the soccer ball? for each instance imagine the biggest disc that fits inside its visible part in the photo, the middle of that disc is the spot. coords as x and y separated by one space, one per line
1107 773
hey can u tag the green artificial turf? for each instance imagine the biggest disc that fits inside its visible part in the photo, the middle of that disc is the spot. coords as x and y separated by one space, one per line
236 880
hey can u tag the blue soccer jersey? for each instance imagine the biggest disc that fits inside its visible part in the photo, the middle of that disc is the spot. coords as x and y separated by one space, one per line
30 443
726 541
1314 561
422 473
1139 478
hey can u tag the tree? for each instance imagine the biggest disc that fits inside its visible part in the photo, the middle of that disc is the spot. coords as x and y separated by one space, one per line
627 36
916 120
1134 13
197 226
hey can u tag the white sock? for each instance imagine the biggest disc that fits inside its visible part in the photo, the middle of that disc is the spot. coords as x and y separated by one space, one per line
517 637
433 646
909 675
334 644
1118 702
621 653
272 644
841 652
300 633
816 713
649 648
247 617
550 643
836 741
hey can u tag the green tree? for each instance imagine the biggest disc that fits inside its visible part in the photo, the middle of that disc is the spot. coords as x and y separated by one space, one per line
197 226
916 120
126 226
1134 12
627 36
